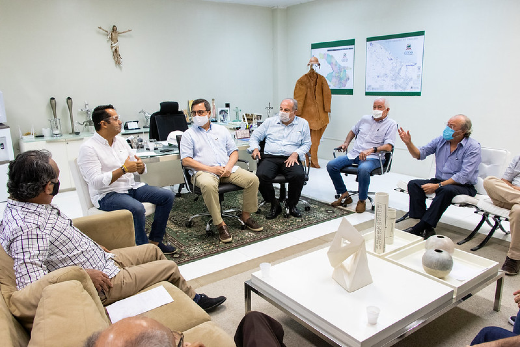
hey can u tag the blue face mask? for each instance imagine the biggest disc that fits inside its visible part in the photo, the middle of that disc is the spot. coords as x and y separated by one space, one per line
447 134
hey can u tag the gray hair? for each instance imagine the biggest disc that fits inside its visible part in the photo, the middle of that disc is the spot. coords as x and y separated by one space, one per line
148 338
29 173
207 106
467 127
294 101
385 100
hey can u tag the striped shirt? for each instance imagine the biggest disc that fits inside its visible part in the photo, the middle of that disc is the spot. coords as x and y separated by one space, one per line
41 239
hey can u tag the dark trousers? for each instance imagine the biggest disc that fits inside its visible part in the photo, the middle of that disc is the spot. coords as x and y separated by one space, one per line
440 203
259 330
489 334
269 167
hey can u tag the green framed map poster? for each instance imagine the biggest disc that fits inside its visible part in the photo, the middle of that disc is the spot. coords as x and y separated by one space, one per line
336 64
395 64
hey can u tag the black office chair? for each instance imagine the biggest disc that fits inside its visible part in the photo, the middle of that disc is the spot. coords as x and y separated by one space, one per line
282 181
223 188
385 164
169 118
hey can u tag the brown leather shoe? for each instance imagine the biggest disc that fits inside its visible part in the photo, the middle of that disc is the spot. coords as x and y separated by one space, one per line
511 266
344 200
223 234
361 206
251 224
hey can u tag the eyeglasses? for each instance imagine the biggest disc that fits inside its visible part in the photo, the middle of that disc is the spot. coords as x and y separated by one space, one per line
115 119
199 112
181 338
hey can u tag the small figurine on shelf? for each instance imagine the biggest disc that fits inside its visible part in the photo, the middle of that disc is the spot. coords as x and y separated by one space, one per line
146 118
237 114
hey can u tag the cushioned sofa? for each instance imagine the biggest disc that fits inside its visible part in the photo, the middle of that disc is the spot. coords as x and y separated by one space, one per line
69 309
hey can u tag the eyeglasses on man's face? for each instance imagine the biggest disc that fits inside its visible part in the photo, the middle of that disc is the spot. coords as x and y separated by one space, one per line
180 336
198 112
109 119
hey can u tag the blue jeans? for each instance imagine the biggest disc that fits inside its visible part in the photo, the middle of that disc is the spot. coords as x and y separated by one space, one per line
132 201
489 334
365 167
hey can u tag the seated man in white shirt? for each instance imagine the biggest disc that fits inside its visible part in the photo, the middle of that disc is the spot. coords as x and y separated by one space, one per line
108 166
211 154
371 134
287 139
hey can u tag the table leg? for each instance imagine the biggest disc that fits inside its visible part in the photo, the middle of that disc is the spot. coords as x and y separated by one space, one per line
498 294
247 293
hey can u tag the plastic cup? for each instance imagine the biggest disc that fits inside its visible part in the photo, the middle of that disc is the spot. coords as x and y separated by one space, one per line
372 314
47 132
265 267
151 146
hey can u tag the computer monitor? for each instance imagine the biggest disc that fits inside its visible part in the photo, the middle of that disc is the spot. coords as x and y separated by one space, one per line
3 117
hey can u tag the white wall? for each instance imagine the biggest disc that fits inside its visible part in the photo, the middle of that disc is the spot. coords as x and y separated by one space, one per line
177 50
250 56
470 66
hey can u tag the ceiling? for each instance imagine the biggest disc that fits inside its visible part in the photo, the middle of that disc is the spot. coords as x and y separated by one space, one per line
265 3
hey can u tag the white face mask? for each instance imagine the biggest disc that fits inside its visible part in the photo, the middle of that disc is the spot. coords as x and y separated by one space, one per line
377 114
200 120
284 116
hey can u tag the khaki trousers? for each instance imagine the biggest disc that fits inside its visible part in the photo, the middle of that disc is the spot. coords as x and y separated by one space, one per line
208 184
507 197
315 139
142 266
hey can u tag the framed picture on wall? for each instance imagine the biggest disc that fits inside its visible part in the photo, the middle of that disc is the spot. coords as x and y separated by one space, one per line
223 114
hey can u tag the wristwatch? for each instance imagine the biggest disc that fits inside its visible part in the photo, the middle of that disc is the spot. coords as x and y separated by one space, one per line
375 149
440 185
123 168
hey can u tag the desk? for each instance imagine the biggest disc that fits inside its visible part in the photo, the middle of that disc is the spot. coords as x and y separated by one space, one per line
339 317
165 169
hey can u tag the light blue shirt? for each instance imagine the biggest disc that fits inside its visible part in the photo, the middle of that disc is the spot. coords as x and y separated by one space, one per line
461 165
281 139
212 147
371 133
512 173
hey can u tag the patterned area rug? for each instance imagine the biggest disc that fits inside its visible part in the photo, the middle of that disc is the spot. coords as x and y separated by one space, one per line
193 243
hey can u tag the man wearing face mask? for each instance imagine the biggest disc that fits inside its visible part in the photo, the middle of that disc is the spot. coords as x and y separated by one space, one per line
287 140
457 157
211 154
373 133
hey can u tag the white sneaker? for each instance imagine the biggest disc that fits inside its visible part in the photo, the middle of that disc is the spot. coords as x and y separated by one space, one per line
511 320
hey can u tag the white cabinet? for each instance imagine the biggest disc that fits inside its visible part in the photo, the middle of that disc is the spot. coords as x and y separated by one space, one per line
63 150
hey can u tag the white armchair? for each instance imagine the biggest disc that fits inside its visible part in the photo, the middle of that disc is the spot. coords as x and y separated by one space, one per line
494 162
84 196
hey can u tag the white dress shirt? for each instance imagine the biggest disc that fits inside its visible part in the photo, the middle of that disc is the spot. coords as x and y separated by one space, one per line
96 161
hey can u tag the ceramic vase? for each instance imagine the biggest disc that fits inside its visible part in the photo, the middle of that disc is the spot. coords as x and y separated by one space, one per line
440 242
437 262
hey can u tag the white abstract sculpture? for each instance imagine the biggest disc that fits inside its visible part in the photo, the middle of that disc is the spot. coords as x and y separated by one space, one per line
349 259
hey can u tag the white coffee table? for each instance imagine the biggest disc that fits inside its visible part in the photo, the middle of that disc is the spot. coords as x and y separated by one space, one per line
303 288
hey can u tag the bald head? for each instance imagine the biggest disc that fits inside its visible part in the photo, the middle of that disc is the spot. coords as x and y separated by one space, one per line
461 123
136 332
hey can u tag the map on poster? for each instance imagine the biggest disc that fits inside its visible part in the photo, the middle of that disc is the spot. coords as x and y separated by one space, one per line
336 64
395 64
